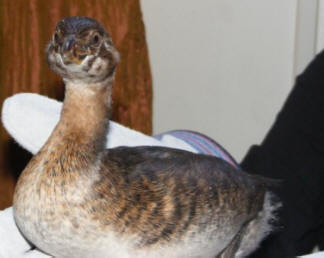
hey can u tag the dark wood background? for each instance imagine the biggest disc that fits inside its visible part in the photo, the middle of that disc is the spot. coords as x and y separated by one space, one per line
26 27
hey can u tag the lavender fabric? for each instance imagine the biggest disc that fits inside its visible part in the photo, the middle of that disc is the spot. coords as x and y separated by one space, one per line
201 143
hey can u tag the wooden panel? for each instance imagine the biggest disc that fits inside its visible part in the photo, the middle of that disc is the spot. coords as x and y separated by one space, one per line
26 27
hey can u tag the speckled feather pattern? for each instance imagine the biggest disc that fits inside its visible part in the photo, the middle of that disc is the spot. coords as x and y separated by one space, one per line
77 199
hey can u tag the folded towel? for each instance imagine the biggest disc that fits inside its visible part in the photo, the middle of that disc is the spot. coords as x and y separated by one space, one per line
30 119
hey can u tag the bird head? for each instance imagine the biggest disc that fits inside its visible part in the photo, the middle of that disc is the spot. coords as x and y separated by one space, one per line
82 50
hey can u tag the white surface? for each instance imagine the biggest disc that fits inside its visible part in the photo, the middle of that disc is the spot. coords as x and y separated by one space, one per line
320 26
225 67
30 118
306 33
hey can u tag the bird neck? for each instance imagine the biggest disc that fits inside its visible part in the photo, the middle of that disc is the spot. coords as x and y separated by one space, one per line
85 115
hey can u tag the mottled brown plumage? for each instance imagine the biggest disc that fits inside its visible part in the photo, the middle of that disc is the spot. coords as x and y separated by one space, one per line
77 199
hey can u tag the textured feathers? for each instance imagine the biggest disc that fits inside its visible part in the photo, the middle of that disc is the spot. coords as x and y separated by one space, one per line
77 199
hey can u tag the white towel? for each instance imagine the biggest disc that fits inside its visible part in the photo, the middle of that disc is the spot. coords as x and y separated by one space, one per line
30 118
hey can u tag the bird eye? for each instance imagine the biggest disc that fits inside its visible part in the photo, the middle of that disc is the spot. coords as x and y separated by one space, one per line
56 36
95 39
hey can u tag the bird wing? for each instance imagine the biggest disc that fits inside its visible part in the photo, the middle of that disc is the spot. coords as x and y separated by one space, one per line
166 167
168 194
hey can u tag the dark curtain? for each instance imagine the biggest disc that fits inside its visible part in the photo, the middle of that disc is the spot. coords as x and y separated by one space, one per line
26 27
